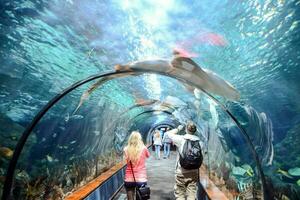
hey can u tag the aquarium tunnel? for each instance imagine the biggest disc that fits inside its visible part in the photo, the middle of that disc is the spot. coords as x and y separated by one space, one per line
77 77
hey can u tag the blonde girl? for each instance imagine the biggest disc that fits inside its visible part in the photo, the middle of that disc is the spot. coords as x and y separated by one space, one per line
157 143
135 154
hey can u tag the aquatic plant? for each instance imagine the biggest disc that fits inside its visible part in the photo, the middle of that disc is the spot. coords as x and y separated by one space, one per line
283 152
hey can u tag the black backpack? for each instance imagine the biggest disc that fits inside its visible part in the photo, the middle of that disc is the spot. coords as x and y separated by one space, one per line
191 156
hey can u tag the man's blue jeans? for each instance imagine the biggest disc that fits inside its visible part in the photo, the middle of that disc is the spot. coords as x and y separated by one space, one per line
167 149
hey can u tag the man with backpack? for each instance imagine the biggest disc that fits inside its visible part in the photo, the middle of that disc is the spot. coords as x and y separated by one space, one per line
189 161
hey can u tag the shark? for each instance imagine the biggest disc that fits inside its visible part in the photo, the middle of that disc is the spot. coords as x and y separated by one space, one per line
181 67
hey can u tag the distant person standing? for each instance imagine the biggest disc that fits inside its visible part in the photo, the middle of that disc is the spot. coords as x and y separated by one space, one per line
157 143
167 145
188 163
135 154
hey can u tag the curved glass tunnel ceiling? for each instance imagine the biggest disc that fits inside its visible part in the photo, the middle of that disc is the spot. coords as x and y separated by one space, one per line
45 47
85 139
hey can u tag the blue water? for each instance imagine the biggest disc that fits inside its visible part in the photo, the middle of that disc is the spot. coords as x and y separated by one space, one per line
46 46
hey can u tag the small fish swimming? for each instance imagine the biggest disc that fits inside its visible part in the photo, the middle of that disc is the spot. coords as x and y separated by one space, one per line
62 128
50 159
6 152
249 172
284 173
76 117
67 117
13 138
72 158
62 147
90 53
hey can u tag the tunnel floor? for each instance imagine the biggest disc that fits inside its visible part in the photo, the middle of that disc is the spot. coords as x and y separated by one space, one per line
160 177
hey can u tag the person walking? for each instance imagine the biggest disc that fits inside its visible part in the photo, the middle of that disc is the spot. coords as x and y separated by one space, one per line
188 162
167 145
157 143
135 154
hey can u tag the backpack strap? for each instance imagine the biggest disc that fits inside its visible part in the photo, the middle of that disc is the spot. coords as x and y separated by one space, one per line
179 148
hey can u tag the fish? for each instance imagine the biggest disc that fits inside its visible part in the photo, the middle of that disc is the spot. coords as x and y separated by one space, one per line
72 158
62 128
68 117
76 117
284 173
6 152
208 80
90 53
249 172
144 102
202 37
50 159
87 93
73 142
185 69
14 138
96 85
62 147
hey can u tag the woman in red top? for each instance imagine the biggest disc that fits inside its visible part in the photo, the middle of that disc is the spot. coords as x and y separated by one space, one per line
137 153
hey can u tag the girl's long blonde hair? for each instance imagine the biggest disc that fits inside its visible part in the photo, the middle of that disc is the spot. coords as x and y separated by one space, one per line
157 134
135 146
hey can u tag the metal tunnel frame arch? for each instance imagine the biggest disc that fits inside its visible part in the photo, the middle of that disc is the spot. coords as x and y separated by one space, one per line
36 119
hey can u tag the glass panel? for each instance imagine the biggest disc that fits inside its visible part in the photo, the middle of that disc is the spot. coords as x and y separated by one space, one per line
83 135
70 146
228 159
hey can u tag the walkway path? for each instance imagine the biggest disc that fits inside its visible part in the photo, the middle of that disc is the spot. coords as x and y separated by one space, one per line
160 178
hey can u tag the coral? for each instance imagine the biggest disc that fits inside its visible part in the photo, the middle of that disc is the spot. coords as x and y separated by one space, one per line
287 151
